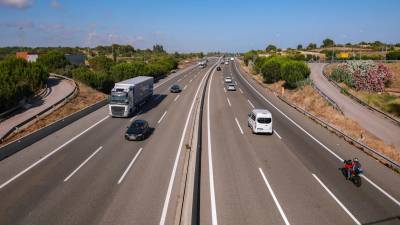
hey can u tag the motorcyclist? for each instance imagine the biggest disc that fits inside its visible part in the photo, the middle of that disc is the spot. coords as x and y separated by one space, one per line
356 166
348 165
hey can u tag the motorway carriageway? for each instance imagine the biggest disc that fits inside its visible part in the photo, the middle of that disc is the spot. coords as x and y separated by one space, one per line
87 173
290 177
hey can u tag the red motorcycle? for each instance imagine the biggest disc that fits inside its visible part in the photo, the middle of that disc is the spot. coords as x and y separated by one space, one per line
352 173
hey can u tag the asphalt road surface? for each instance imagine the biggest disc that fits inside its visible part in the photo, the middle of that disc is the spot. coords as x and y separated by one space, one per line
290 177
95 176
86 173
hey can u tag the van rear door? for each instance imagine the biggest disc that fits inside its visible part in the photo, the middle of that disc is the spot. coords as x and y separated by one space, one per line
264 123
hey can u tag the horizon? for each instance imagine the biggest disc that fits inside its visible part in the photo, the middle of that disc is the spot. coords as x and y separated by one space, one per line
209 26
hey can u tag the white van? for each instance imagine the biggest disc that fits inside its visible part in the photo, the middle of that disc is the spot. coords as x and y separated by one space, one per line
260 121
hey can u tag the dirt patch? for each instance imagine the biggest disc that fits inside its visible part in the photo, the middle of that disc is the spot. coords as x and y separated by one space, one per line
309 100
85 97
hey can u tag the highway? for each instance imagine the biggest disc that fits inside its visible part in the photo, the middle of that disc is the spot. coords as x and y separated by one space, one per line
290 177
87 173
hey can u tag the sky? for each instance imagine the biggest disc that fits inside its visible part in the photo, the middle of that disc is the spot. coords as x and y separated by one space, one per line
197 25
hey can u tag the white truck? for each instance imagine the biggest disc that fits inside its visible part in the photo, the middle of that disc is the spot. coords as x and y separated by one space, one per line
128 95
203 64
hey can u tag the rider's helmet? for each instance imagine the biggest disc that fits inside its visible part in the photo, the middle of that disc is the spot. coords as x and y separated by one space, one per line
355 159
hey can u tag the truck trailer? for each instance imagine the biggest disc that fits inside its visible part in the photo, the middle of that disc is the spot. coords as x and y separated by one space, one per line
128 95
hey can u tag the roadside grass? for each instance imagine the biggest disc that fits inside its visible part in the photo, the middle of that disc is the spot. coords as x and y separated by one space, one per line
308 99
395 68
385 102
86 96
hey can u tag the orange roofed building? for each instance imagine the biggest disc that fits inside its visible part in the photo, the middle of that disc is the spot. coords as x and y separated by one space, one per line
30 57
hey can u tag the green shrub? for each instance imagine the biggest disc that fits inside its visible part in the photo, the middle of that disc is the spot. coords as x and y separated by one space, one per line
101 63
293 72
393 55
341 75
271 70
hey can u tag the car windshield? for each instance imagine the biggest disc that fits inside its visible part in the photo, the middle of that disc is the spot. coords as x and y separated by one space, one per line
175 87
119 97
138 124
264 120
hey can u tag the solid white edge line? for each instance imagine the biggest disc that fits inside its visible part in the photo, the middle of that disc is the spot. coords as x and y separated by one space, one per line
172 178
277 134
229 102
176 98
312 137
337 200
240 128
214 218
251 104
51 153
82 164
184 88
380 189
162 117
129 166
274 198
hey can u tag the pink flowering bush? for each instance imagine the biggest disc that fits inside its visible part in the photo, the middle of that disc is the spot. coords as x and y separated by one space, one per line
365 75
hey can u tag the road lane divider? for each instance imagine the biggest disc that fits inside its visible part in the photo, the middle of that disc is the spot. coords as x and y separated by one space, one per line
214 218
162 117
190 81
240 90
277 134
82 164
184 88
224 89
176 98
238 124
251 104
313 138
130 165
337 200
274 198
50 154
229 102
173 173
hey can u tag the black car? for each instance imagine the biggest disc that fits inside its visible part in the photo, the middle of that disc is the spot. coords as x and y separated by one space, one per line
138 130
218 68
175 89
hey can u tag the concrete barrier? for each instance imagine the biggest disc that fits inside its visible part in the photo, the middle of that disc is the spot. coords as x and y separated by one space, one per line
17 145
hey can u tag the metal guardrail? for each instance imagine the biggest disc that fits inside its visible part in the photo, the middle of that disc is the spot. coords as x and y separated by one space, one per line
384 114
44 112
327 98
374 153
388 161
18 145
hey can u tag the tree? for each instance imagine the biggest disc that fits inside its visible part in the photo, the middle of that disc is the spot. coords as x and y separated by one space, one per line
101 63
270 48
53 60
158 48
311 46
299 46
328 43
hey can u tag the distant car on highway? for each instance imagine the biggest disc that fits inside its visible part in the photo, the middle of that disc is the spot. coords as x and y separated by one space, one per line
138 130
175 89
260 121
228 79
218 68
231 87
